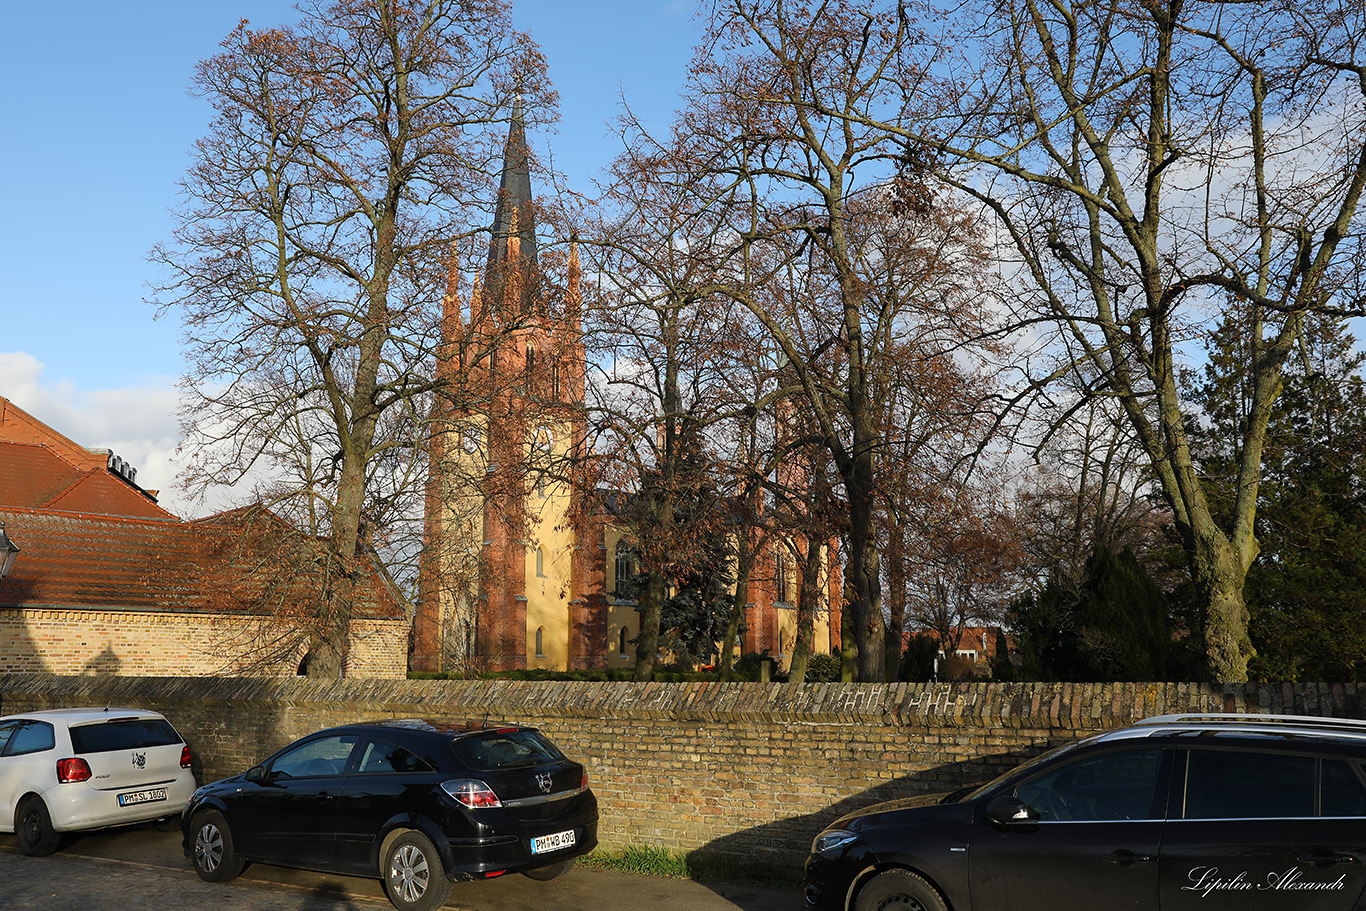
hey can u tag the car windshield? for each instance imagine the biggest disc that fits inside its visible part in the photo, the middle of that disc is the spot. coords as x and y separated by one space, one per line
123 734
1019 769
504 749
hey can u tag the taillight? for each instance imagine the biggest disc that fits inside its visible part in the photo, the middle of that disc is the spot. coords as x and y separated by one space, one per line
185 757
472 793
583 782
69 770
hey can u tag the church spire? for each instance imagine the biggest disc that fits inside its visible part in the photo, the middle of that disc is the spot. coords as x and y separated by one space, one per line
513 268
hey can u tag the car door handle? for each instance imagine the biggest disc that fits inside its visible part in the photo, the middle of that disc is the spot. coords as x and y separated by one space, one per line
1327 859
1125 857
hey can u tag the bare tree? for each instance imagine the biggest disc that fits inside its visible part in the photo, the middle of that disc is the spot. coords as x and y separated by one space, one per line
310 262
1090 488
770 130
1147 163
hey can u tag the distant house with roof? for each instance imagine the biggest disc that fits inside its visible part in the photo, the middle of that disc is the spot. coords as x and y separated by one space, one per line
109 582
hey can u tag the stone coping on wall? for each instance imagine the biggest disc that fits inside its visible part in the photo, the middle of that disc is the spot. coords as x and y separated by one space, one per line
1058 706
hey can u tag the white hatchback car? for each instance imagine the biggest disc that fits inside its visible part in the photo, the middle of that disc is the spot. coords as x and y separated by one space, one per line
72 769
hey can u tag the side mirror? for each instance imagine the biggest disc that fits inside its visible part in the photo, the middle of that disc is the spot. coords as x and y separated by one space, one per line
256 773
1007 810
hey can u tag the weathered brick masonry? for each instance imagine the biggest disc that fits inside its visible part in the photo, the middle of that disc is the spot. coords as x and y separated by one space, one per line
747 769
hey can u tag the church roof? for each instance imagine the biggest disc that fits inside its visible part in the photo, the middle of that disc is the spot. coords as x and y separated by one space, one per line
514 220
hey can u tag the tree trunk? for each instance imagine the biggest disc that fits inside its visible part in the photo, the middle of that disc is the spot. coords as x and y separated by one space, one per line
849 649
1219 579
744 565
647 643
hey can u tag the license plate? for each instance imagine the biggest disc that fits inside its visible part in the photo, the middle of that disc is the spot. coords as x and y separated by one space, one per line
133 798
547 843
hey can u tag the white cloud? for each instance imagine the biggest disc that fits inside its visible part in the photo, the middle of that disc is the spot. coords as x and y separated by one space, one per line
138 423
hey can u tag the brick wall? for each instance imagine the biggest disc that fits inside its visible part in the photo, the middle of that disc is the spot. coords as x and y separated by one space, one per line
747 769
159 643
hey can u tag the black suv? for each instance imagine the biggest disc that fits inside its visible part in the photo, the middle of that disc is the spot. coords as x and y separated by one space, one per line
1177 812
416 803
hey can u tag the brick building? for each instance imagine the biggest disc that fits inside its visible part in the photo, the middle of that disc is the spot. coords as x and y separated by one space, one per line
520 564
108 582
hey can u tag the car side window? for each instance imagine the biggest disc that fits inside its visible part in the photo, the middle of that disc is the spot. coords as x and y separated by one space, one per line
316 758
6 729
382 757
1109 787
30 737
1230 784
1341 792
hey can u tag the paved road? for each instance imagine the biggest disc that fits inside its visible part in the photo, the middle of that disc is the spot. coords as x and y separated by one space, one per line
139 868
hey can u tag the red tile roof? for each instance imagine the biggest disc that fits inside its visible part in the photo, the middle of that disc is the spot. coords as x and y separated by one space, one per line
34 476
226 563
90 538
42 469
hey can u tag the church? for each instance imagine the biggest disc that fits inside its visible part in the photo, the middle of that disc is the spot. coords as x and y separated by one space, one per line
520 559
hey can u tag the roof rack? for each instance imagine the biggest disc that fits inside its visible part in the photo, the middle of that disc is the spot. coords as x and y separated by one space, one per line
1301 721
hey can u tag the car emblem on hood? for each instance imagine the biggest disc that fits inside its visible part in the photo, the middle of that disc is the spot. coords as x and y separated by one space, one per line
140 760
543 779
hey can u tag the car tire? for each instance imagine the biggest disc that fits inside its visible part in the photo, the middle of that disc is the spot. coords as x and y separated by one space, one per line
554 871
414 878
899 890
215 858
33 826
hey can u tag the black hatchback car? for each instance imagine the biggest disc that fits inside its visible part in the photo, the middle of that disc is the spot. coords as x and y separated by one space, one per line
416 803
1177 813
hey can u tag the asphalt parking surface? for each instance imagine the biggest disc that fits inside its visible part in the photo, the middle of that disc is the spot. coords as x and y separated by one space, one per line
137 868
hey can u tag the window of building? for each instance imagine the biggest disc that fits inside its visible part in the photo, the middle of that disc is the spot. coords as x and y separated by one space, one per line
780 573
540 563
540 642
621 642
624 566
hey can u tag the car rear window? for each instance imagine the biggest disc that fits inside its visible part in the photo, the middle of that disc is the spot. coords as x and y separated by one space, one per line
123 734
501 749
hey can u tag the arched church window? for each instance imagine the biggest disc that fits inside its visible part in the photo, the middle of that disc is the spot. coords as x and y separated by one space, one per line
625 564
621 642
540 563
540 642
780 574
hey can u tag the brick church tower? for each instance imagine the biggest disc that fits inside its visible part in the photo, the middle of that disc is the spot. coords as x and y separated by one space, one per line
507 577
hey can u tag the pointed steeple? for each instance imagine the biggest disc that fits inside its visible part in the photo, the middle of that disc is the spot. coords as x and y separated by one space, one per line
513 268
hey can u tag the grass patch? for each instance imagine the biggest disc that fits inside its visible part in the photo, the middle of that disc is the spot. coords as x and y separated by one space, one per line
701 866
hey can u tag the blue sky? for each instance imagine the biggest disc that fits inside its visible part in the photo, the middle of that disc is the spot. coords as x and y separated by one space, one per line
99 132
